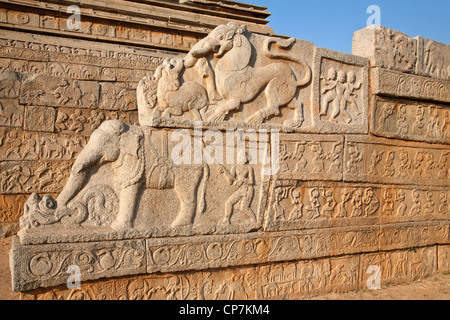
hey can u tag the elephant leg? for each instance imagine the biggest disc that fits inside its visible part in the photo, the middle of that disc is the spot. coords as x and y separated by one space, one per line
127 208
187 181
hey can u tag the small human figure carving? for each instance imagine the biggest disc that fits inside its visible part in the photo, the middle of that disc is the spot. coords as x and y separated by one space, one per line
371 202
400 197
345 196
301 163
429 206
355 157
386 111
314 203
297 211
389 169
330 204
375 159
402 125
388 207
419 123
443 206
242 177
417 206
357 202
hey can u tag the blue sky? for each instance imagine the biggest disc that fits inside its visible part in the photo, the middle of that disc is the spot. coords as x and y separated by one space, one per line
331 23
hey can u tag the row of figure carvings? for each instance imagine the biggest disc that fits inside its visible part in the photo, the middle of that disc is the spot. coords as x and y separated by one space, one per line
49 146
323 203
339 90
429 122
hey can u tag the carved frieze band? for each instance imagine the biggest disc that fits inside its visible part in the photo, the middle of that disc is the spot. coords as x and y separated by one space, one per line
397 84
45 265
411 120
273 281
390 162
295 205
48 265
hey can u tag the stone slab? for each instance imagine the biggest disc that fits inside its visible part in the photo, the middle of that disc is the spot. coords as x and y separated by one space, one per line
386 48
35 266
298 205
396 84
410 120
388 161
433 58
340 92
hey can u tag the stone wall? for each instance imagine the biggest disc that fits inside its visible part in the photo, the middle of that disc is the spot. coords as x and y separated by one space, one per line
57 85
360 143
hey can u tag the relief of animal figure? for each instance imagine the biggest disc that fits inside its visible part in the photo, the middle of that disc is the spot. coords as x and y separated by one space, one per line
173 95
238 82
132 156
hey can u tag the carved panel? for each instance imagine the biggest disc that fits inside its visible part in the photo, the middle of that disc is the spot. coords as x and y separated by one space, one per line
387 161
9 84
386 48
47 265
16 144
396 84
39 119
297 205
433 59
33 176
60 147
310 157
11 113
55 91
411 120
340 92
400 266
443 258
81 72
117 97
11 207
84 121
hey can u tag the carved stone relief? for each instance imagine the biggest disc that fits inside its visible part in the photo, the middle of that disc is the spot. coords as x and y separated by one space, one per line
411 120
433 59
391 83
386 48
385 161
297 205
340 92
60 92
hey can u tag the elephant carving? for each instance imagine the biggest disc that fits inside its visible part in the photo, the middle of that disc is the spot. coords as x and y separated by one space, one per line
136 163
237 81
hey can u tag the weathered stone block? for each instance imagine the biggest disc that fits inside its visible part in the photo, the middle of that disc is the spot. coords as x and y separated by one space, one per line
386 48
396 84
340 92
16 144
11 113
39 118
410 120
387 161
47 265
433 58
59 92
